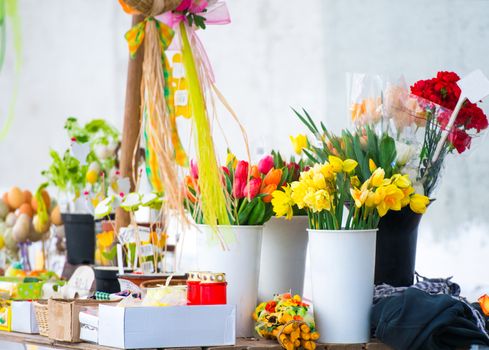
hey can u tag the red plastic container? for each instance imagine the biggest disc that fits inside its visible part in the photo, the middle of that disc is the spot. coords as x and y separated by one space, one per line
213 289
193 289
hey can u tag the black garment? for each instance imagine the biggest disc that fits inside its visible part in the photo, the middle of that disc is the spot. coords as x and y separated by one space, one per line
417 320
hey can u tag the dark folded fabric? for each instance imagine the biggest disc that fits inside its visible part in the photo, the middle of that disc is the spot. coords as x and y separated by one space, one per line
418 320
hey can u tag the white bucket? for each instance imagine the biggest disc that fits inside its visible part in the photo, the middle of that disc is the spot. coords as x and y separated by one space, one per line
241 264
283 257
342 271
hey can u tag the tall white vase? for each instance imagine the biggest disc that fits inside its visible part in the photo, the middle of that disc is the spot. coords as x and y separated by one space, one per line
240 263
283 257
342 271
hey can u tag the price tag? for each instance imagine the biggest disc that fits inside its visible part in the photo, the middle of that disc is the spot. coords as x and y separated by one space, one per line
144 233
126 234
147 250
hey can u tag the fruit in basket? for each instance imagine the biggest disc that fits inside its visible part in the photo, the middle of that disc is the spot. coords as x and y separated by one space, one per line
15 197
27 196
56 216
22 228
4 209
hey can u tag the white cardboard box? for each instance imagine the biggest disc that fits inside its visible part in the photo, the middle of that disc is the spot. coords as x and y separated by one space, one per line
24 317
89 326
172 326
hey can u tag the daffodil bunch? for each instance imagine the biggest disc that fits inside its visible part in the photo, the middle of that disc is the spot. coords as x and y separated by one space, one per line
327 189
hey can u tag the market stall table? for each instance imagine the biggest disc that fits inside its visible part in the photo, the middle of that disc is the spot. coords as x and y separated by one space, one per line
242 344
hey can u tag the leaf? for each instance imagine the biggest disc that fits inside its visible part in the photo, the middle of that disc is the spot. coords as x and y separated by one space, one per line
310 156
306 123
110 255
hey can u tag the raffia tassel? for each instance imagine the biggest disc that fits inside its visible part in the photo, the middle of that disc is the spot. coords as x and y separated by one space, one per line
152 95
152 7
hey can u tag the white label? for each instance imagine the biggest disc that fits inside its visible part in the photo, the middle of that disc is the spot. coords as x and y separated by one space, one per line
147 250
147 267
143 234
178 70
120 265
128 285
126 234
181 98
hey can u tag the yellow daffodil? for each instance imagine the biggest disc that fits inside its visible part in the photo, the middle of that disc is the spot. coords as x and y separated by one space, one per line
371 165
359 196
370 201
299 142
419 203
320 200
327 171
338 165
401 181
299 191
231 158
319 181
408 191
377 178
388 198
355 181
282 202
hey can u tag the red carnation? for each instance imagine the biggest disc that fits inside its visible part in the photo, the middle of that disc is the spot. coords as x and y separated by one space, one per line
460 140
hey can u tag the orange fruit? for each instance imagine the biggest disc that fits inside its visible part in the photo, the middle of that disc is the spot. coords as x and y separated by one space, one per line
27 196
15 197
26 209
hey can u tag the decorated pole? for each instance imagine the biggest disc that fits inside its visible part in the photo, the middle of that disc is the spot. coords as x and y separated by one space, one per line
132 123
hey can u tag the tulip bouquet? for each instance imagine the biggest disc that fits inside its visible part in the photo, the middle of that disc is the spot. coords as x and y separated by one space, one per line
248 190
327 189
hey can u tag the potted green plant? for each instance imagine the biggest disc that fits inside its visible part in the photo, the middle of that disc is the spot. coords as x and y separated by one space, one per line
82 176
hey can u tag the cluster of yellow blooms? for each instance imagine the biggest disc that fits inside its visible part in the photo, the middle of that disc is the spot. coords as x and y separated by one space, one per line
329 186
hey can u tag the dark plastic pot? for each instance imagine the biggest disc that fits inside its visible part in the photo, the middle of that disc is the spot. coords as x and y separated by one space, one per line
106 279
80 238
395 257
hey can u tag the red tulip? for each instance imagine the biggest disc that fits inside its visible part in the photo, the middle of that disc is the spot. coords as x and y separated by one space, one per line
252 189
238 188
241 171
194 170
265 164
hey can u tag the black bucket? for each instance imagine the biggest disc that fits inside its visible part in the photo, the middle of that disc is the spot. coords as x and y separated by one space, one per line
106 279
395 257
80 238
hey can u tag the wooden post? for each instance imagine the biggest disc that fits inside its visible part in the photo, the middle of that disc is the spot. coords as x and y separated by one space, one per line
132 123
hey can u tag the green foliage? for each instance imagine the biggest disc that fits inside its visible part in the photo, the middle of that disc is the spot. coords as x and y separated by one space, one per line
66 173
364 146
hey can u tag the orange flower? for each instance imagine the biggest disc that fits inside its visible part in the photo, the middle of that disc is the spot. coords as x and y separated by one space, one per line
268 190
255 173
273 177
484 303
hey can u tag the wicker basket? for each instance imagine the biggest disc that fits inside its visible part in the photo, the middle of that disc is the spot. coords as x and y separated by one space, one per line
41 311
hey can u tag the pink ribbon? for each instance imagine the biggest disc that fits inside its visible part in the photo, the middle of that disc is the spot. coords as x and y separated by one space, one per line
217 14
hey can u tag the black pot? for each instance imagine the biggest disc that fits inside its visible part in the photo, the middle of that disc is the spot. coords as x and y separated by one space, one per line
106 279
80 238
396 248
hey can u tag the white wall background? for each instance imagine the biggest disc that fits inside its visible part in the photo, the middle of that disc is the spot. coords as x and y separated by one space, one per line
275 54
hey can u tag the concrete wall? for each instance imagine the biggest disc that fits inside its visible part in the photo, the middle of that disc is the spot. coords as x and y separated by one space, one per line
274 55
